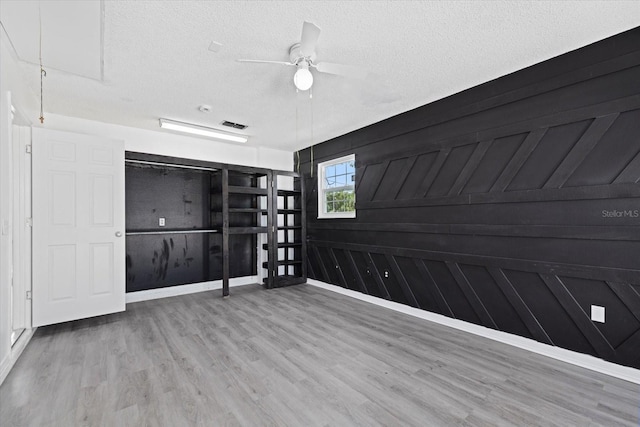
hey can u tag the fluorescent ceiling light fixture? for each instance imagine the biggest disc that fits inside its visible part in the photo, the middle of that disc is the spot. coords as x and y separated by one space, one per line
201 130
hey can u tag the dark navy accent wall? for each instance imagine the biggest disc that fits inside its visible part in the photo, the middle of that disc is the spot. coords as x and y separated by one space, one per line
514 205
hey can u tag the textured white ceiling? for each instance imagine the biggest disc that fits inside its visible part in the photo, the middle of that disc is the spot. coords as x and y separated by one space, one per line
69 45
157 61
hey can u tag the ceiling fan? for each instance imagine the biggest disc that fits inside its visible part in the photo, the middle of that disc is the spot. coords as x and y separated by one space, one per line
303 55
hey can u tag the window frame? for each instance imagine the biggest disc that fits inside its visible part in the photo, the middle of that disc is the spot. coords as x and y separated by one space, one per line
322 208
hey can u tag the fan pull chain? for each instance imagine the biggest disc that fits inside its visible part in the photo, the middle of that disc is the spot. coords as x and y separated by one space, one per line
311 136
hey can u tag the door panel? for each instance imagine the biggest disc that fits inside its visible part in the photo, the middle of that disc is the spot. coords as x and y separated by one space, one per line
78 224
62 272
101 190
102 268
62 201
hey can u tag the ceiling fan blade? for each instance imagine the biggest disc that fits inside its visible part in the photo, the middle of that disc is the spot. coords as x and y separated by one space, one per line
309 38
342 70
260 61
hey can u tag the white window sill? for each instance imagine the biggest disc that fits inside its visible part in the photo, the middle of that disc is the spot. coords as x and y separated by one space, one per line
337 215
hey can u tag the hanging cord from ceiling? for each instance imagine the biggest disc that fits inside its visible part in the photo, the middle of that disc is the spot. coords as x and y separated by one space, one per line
311 98
43 73
297 140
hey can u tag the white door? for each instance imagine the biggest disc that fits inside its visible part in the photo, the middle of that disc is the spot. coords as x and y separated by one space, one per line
78 226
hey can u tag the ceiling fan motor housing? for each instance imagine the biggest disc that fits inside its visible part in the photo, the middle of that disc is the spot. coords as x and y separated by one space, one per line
295 55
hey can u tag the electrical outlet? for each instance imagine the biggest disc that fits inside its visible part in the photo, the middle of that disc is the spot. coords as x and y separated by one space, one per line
597 313
161 222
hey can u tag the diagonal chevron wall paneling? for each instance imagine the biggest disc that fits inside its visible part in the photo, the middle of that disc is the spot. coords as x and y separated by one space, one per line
514 205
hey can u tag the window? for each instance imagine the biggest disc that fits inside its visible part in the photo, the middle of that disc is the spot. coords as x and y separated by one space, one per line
336 188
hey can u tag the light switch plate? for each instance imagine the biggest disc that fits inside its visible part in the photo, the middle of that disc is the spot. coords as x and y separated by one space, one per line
597 313
161 222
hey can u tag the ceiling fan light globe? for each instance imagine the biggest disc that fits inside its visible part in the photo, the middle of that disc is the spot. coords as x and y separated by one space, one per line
303 79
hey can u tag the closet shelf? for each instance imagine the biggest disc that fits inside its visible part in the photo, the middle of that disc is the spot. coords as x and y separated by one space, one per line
246 210
235 189
265 246
187 231
288 192
247 230
245 174
286 211
282 262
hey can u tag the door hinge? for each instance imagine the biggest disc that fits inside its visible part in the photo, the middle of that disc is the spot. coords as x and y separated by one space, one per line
28 295
28 149
29 222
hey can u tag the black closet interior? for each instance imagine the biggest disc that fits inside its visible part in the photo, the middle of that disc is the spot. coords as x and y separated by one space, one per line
191 221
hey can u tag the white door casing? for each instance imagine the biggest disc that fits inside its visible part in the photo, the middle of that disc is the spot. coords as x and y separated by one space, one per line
78 226
21 283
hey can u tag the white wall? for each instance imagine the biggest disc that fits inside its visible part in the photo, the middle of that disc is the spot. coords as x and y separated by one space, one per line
13 90
171 144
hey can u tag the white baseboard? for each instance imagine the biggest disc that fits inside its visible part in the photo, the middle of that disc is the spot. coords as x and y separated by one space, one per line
575 358
15 353
193 288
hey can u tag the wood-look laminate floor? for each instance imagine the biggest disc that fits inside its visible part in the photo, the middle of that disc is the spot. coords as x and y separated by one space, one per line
298 356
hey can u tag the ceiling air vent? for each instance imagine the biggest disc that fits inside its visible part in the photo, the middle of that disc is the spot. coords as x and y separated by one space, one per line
234 125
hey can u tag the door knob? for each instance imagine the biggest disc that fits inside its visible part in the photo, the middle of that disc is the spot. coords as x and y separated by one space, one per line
118 233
